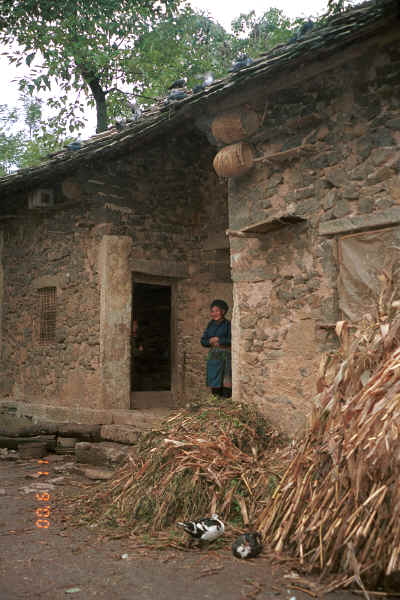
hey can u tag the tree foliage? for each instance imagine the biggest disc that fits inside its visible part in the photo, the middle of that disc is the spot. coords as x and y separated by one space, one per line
85 45
25 140
188 44
253 35
105 52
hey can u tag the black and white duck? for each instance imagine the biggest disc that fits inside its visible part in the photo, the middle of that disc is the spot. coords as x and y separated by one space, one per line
205 529
247 545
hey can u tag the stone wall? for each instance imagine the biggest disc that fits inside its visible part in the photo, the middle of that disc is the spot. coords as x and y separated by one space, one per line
171 207
332 152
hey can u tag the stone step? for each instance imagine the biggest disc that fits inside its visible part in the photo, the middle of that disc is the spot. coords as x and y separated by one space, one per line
14 426
41 414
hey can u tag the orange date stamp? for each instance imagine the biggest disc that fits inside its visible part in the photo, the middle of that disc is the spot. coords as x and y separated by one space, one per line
43 511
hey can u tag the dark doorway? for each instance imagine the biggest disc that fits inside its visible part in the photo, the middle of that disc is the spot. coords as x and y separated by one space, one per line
151 338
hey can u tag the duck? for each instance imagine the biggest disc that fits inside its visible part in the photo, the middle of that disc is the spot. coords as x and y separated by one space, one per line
247 545
205 529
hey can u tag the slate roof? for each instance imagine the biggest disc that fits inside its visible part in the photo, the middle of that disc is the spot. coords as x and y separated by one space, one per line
338 33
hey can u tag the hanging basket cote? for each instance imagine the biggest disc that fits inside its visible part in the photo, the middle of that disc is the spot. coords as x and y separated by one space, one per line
234 160
233 126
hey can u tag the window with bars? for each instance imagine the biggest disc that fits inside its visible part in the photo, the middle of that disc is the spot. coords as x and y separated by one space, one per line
47 306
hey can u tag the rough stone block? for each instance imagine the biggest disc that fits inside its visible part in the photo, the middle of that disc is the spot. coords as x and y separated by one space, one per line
66 442
380 175
381 155
101 453
394 124
342 208
95 473
350 192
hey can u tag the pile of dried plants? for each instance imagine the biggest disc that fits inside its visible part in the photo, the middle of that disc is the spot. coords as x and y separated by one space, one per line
337 508
218 457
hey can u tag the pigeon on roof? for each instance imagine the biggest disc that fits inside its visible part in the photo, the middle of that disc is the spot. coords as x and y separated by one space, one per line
302 31
135 110
120 123
75 145
176 94
179 83
242 61
208 78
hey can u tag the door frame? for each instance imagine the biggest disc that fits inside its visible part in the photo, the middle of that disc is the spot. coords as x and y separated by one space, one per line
153 399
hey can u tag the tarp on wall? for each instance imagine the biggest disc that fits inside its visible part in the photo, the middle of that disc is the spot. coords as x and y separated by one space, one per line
363 258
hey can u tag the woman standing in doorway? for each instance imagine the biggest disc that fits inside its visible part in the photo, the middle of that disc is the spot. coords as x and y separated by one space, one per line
217 337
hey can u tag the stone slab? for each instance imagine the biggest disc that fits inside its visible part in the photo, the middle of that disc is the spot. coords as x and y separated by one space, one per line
13 442
82 431
384 218
120 433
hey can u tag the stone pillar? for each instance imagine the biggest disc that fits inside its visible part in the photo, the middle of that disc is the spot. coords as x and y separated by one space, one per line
1 292
236 345
115 320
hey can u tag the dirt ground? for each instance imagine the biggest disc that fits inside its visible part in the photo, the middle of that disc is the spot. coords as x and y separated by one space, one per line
58 561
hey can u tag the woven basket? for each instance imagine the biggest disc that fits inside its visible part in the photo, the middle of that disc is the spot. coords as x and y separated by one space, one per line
234 126
234 160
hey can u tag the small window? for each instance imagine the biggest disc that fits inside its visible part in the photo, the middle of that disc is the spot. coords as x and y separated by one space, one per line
47 297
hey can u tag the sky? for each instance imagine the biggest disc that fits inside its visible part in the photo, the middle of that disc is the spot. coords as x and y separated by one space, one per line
223 11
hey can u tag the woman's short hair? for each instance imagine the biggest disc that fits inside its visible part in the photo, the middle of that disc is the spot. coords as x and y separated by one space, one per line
221 304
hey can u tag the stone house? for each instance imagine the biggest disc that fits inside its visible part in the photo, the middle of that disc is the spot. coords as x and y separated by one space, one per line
276 188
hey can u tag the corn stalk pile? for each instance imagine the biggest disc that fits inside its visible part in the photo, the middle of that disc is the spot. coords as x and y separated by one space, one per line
223 458
337 507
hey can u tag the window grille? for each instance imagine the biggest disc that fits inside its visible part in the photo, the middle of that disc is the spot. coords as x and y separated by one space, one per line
47 298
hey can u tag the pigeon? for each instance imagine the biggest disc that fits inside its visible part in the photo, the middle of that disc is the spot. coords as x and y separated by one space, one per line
208 78
120 123
302 31
176 95
306 28
247 545
242 62
179 83
76 145
204 529
136 110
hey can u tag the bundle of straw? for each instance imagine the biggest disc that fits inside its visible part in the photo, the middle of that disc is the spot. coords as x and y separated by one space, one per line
338 504
223 458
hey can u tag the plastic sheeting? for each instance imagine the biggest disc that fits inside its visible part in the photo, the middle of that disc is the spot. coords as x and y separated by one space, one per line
362 259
